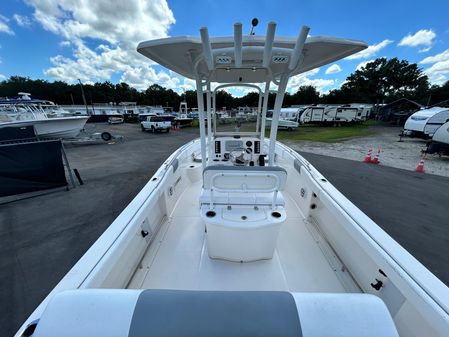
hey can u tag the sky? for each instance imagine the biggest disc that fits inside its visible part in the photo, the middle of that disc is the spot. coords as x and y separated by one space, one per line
96 40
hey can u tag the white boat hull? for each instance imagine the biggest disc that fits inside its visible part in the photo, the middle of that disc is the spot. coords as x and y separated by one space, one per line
283 124
326 245
67 127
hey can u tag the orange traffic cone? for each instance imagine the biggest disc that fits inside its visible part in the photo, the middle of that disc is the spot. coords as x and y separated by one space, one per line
368 156
376 158
420 167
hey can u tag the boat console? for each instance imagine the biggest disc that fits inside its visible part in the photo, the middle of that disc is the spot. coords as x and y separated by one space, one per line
240 151
241 199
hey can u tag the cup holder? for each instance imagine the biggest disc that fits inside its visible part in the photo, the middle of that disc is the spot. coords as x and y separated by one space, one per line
210 214
276 214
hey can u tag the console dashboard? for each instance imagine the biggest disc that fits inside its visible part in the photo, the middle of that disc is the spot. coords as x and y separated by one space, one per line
249 149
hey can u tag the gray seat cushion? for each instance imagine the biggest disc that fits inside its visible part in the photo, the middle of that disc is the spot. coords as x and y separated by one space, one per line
168 313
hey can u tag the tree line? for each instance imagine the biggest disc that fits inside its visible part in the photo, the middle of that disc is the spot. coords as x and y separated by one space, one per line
380 81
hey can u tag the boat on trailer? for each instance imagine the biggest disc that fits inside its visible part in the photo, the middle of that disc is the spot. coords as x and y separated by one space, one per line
46 118
237 234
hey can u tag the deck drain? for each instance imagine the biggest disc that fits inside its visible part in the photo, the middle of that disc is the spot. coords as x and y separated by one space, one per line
244 217
210 214
276 214
313 206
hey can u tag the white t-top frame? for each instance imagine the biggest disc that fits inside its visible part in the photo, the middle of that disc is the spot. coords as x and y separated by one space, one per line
245 59
215 61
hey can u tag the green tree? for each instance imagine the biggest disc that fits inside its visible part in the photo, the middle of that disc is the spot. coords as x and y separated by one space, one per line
306 94
385 80
437 94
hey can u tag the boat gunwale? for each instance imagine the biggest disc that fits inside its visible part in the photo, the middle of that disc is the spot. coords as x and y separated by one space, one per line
394 256
401 261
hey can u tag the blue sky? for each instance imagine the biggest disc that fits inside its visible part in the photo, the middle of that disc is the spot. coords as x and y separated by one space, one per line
96 40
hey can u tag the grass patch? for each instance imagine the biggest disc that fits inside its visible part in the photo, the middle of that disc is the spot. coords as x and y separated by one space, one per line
327 134
316 133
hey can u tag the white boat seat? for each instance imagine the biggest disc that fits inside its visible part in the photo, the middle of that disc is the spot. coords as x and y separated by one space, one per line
161 313
223 198
243 210
244 178
249 185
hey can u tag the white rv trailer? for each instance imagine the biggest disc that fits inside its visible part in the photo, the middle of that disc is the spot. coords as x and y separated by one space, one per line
237 234
329 114
440 141
424 123
364 111
291 114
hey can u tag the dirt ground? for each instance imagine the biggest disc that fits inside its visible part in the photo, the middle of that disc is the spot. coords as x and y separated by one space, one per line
405 155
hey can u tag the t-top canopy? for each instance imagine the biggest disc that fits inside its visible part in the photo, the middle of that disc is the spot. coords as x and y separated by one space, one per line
245 59
180 54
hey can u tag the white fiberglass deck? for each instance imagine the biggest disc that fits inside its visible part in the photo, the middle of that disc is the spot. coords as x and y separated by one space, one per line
178 259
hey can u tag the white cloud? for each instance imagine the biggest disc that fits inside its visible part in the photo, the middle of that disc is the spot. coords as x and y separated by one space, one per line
333 69
370 51
4 28
423 38
22 21
436 58
439 69
141 77
437 73
239 91
362 64
65 43
2 77
423 50
304 79
104 35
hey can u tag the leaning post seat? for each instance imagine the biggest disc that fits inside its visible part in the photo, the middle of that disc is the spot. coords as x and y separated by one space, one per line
243 210
181 313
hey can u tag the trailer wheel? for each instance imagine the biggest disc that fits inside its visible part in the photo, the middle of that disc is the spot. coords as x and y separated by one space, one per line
168 130
152 128
106 136
141 126
289 129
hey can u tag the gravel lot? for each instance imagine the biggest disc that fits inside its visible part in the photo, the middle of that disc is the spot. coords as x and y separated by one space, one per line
405 155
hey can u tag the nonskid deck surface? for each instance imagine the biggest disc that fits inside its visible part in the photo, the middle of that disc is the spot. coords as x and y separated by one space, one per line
178 259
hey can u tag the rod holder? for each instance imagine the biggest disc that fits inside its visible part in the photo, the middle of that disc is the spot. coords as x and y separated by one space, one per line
271 29
238 44
207 49
297 52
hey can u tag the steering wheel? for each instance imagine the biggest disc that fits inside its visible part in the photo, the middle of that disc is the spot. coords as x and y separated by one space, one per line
238 157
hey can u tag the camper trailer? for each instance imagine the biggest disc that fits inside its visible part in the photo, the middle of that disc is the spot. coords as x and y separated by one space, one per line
291 114
329 114
425 122
440 141
364 111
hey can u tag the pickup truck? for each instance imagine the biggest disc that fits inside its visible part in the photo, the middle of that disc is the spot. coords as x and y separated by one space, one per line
155 123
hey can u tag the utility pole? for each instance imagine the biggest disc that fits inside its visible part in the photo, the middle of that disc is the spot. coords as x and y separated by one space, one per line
84 97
